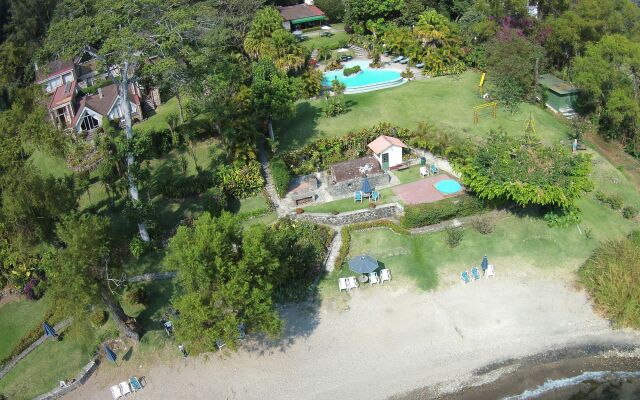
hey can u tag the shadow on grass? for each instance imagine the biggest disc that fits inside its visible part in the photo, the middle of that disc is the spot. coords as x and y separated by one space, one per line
302 127
159 294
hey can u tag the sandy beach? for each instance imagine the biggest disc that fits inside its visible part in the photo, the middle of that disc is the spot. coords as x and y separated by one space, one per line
388 341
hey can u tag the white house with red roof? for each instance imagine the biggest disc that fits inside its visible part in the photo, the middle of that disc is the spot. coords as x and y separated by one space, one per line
301 16
388 151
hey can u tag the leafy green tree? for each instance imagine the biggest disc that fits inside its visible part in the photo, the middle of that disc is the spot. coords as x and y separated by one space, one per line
334 101
333 9
225 277
522 170
359 12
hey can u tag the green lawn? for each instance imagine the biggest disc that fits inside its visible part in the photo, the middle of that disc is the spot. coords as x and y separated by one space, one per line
445 101
16 319
408 175
333 42
158 121
50 165
344 205
43 368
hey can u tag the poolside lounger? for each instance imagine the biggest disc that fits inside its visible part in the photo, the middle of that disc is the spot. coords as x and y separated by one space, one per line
405 61
124 388
373 278
424 171
420 65
397 59
385 275
490 271
352 283
135 384
357 196
464 277
475 273
343 284
115 392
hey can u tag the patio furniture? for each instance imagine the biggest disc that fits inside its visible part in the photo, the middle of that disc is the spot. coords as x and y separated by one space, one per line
385 275
397 59
357 196
434 169
375 196
135 384
242 331
342 284
475 273
363 278
115 392
373 278
363 264
352 283
405 61
420 65
491 270
168 327
220 344
124 388
464 277
424 171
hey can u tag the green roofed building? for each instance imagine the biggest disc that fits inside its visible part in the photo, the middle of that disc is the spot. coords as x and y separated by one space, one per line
560 95
302 16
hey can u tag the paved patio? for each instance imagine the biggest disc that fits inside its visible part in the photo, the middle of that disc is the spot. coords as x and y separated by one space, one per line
423 191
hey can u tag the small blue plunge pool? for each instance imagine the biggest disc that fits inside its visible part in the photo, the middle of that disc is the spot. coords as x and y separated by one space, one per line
448 186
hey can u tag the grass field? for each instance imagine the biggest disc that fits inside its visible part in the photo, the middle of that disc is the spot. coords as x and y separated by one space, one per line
316 41
16 319
158 121
344 205
43 368
445 101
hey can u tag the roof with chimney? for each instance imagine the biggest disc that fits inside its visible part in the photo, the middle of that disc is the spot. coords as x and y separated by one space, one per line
103 101
64 94
383 142
300 12
52 69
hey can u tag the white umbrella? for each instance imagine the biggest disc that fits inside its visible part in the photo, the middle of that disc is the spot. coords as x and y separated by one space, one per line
325 27
342 50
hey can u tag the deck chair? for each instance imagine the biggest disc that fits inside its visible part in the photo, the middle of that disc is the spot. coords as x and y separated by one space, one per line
357 196
420 65
343 284
115 392
424 171
385 275
242 331
352 283
373 279
491 271
135 384
475 273
397 59
124 388
375 196
464 277
434 169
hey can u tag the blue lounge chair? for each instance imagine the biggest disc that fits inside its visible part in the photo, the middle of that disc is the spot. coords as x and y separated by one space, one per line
420 65
375 196
464 276
405 60
475 273
397 59
135 384
434 169
357 196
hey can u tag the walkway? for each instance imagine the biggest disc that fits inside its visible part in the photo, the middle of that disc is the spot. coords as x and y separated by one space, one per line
270 187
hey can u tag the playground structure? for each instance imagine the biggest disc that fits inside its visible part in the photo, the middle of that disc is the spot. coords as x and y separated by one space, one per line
481 84
477 109
530 128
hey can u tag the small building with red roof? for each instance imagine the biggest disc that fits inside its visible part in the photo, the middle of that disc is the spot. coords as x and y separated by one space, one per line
302 16
388 151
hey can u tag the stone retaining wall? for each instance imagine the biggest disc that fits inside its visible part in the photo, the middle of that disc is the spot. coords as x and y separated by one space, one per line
391 210
80 380
152 276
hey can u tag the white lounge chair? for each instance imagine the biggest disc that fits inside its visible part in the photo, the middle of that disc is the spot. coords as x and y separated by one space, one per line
115 392
124 388
491 271
424 171
342 284
385 275
352 283
373 278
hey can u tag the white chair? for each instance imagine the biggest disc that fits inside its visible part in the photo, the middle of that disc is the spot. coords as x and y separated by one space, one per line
342 284
124 388
491 271
115 392
373 278
385 275
352 283
424 171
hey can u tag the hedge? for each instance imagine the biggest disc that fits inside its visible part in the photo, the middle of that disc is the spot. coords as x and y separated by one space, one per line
432 213
281 176
346 236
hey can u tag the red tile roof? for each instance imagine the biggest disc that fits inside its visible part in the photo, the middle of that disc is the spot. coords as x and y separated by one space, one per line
300 11
383 142
52 69
63 94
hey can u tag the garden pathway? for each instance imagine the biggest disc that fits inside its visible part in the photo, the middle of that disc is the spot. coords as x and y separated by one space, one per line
270 187
334 249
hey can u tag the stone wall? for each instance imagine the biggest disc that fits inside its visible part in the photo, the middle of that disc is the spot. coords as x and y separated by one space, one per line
80 380
352 185
152 276
391 210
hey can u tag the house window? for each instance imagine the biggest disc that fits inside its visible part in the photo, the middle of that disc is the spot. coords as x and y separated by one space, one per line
88 123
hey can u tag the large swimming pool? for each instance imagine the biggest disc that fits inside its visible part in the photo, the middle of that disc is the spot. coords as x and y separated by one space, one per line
367 78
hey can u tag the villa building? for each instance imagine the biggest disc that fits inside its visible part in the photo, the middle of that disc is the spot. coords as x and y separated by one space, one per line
302 16
106 103
388 151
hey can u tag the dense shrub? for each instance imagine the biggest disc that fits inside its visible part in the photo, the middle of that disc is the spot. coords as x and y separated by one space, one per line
612 200
484 224
98 317
281 176
433 213
612 277
563 218
324 152
443 142
346 236
137 294
137 247
454 236
351 70
629 212
240 180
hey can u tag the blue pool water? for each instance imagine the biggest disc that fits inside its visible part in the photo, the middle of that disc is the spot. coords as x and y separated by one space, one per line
363 78
448 186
